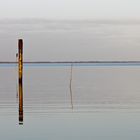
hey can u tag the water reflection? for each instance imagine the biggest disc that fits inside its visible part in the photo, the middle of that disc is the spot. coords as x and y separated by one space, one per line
71 86
20 103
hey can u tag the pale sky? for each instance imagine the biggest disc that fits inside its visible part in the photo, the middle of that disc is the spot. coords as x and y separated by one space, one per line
70 9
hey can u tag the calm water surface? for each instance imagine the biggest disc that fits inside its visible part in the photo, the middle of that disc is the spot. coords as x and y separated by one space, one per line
79 102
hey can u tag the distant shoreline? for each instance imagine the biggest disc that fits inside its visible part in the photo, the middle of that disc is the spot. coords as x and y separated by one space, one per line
67 62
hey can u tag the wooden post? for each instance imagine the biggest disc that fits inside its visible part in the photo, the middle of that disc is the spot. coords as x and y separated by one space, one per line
20 71
20 58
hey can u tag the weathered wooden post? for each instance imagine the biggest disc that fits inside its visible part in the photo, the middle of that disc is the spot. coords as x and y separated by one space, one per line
20 58
20 71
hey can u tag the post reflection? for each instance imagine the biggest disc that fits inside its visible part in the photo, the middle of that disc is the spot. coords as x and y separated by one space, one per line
20 103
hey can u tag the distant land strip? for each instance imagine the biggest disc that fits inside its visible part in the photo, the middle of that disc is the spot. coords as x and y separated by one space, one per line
67 62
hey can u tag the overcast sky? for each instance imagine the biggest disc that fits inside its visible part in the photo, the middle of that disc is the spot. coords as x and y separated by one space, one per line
70 9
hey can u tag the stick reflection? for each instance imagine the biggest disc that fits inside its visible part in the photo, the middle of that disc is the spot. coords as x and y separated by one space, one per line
71 86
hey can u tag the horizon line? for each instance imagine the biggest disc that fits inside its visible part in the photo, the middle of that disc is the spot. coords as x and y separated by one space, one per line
14 62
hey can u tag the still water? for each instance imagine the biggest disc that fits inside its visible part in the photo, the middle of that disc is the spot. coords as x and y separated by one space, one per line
64 102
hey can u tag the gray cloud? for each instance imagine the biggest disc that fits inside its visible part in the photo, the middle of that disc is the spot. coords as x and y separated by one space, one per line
67 9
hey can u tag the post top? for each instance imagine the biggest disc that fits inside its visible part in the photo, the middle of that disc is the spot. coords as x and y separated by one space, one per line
20 43
20 40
